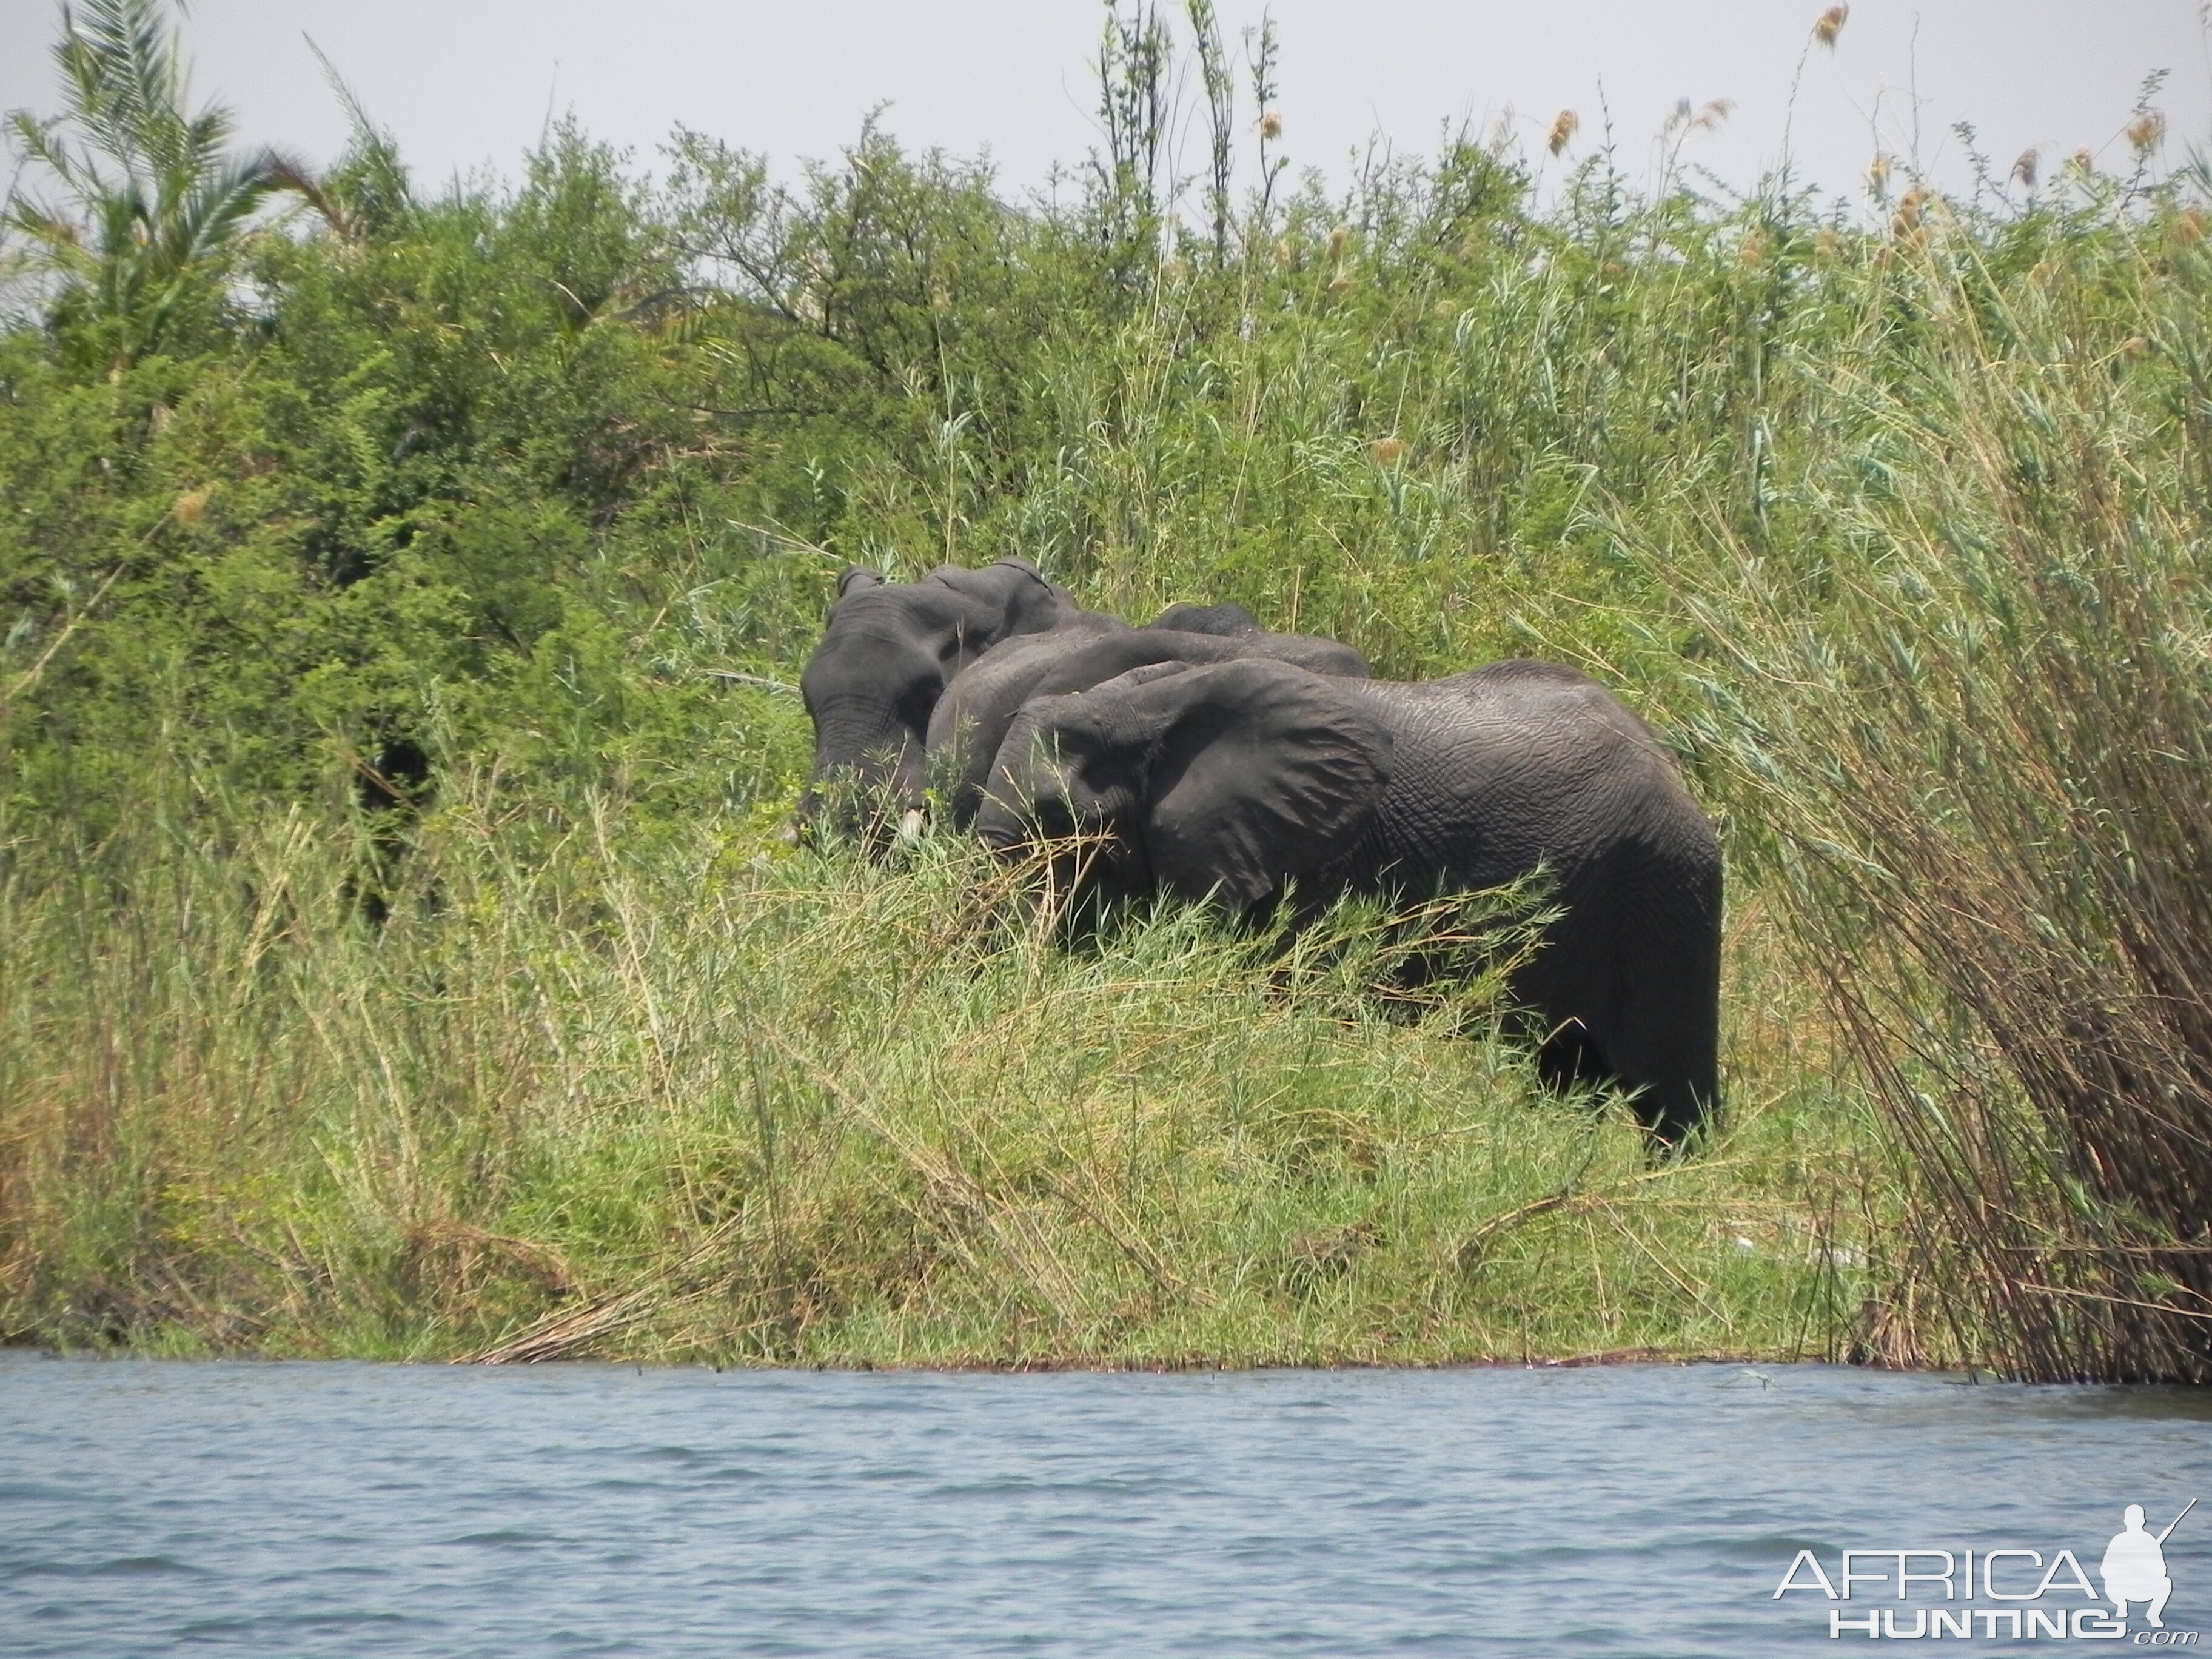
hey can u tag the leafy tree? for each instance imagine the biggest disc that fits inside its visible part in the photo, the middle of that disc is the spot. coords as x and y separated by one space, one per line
152 197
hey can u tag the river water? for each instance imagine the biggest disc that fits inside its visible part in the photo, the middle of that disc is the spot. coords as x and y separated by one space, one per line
151 1509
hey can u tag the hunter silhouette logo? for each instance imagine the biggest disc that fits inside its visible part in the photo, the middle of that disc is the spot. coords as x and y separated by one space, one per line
2135 1566
2026 1594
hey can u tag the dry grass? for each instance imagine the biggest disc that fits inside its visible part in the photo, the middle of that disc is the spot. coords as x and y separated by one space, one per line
1969 711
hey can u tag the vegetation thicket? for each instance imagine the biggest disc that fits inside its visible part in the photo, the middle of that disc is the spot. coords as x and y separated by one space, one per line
403 591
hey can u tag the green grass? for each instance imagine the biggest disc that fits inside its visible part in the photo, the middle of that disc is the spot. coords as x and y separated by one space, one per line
689 1100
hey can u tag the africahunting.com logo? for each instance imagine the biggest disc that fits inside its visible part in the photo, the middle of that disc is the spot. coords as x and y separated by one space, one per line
2000 1594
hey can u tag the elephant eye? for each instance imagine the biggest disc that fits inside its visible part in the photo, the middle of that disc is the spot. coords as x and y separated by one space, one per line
916 700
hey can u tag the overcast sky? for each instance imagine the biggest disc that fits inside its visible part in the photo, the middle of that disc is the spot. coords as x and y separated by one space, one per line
465 84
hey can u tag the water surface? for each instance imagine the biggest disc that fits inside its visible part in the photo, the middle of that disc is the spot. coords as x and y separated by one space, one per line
171 1509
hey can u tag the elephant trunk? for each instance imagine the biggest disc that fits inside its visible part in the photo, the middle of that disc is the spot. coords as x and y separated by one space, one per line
868 775
1038 803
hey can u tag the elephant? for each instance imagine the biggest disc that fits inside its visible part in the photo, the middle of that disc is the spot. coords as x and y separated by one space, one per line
891 649
1230 621
1229 780
889 652
972 718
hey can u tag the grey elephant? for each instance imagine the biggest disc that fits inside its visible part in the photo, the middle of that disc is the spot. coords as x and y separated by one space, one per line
889 652
1229 780
974 715
891 648
1230 621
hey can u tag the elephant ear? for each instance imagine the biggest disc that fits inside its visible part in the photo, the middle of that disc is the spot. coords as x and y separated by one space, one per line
858 576
1266 772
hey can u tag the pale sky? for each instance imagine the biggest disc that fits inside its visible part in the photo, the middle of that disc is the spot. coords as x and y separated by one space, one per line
466 84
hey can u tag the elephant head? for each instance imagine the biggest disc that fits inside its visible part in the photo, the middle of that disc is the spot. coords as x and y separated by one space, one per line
885 659
1223 779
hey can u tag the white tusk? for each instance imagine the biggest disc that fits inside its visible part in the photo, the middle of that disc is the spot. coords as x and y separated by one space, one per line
911 826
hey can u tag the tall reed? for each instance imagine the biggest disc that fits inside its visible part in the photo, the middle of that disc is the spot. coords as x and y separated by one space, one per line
1966 696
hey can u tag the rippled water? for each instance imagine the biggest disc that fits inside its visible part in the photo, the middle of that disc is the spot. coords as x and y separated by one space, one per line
158 1509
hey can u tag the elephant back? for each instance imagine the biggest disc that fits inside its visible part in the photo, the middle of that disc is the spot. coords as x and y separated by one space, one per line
1521 764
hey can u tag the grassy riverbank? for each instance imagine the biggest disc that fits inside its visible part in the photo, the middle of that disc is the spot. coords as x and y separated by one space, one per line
403 596
680 1101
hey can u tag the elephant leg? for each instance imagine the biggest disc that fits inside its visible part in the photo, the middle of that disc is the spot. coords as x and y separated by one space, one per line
1655 1037
1663 1042
1568 1057
1673 1107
